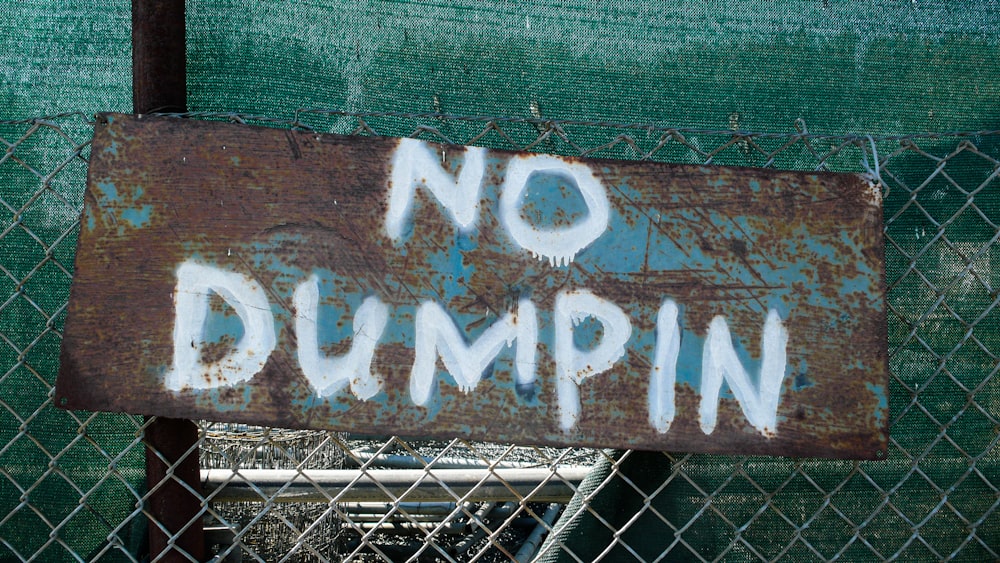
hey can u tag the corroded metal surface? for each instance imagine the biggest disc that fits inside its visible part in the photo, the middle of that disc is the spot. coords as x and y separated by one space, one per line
778 274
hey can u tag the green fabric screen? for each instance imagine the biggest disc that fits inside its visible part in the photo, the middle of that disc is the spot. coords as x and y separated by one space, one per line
876 67
871 68
868 67
55 57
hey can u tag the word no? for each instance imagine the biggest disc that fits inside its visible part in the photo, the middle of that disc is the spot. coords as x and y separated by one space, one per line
414 165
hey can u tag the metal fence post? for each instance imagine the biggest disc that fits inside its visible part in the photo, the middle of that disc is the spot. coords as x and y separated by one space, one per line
159 56
159 83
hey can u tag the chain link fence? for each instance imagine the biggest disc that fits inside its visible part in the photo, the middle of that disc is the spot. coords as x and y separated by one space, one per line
73 488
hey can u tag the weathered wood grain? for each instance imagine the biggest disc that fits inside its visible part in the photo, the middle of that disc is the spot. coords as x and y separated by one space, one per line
286 211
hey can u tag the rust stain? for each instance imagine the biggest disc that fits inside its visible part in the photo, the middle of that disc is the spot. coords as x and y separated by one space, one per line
279 206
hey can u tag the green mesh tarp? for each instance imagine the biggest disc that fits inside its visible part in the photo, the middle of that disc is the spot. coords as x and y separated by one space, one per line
871 68
66 481
878 68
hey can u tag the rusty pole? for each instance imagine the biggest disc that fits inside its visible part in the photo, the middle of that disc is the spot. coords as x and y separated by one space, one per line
159 84
159 56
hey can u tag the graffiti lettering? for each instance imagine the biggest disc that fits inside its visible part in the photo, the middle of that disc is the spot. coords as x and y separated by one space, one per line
414 164
436 336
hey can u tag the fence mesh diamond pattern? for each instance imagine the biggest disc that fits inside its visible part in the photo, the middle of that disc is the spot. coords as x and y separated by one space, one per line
72 483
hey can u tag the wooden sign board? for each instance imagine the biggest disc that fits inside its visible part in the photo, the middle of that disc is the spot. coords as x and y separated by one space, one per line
395 286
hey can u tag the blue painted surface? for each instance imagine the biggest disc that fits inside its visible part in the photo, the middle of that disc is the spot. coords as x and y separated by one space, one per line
727 243
632 243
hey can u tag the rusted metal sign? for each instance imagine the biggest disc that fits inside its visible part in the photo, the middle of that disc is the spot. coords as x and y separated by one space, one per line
381 285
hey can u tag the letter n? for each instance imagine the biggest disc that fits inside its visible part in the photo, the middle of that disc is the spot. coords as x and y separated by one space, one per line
719 361
415 164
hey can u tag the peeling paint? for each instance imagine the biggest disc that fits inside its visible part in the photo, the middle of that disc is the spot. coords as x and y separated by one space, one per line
346 283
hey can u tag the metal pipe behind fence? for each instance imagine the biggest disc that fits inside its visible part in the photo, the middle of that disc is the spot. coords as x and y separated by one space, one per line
438 508
530 546
381 485
413 462
394 517
479 525
423 528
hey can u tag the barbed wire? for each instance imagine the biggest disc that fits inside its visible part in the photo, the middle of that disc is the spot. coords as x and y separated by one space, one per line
298 120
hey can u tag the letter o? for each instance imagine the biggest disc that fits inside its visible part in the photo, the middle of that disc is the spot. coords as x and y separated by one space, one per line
560 245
